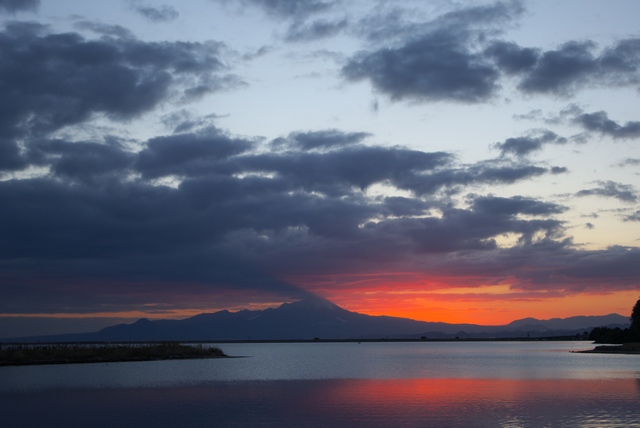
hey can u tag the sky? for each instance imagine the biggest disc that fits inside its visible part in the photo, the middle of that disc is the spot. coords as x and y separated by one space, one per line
456 161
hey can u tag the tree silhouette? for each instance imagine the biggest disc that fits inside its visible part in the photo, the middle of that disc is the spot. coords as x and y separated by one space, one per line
617 335
634 330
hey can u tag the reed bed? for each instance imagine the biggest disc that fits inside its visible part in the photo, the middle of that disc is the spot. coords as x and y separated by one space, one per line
30 354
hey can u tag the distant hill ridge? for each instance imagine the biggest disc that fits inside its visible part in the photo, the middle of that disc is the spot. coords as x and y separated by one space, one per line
315 317
576 322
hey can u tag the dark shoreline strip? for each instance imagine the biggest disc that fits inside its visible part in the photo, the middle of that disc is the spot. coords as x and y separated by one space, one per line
22 355
624 349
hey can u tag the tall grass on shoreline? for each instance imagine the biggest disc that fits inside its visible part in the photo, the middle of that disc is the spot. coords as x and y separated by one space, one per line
31 354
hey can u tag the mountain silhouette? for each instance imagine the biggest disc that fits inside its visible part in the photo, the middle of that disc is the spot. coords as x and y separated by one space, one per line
316 317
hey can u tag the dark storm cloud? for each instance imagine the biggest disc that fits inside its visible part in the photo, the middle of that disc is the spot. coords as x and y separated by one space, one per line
443 65
459 56
54 219
78 237
511 58
416 242
556 265
163 13
489 173
180 219
116 31
398 24
338 172
433 60
494 14
183 121
436 66
599 122
622 58
326 139
561 70
516 205
138 284
11 158
291 8
13 6
235 228
616 263
315 30
238 216
574 65
452 179
559 170
523 146
298 14
410 69
83 161
294 8
633 217
611 189
421 242
188 154
457 230
400 206
476 228
70 78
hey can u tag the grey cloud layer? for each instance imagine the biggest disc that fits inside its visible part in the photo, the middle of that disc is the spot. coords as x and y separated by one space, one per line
599 122
595 123
199 210
442 65
315 30
457 56
442 60
162 13
13 6
240 217
300 15
523 146
49 81
622 192
292 8
436 66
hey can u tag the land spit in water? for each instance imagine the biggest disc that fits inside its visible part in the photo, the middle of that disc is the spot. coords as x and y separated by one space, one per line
627 348
19 355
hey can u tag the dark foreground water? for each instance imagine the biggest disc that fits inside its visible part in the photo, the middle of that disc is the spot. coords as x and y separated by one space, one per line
528 384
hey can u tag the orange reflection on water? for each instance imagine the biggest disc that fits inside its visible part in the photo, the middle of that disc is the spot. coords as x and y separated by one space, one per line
487 401
338 403
379 392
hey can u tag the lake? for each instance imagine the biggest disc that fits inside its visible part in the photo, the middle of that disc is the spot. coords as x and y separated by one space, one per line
417 384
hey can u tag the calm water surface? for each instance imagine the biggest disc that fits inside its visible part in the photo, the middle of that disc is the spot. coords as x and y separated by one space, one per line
425 384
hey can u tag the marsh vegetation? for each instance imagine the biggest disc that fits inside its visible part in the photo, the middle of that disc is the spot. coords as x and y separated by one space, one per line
25 354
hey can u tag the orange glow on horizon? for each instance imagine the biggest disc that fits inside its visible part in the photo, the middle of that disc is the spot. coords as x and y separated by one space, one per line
464 299
493 304
485 309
